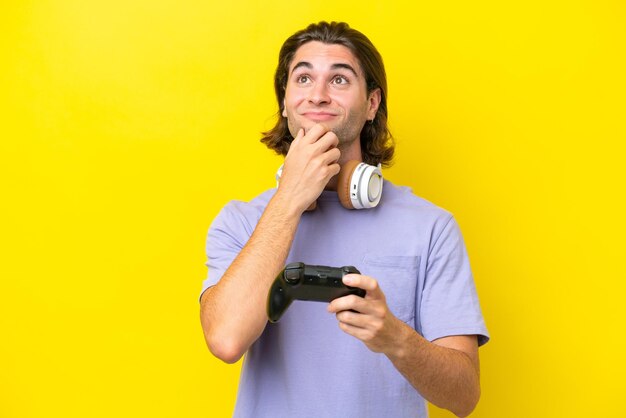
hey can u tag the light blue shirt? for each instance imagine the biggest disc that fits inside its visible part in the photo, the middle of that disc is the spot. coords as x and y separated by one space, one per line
304 365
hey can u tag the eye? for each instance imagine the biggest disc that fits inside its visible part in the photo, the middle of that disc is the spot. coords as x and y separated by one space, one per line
340 80
303 79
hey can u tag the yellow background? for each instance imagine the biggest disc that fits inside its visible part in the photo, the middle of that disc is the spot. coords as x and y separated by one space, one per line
126 125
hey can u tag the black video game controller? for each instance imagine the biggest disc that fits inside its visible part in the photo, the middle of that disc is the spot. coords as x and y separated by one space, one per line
299 281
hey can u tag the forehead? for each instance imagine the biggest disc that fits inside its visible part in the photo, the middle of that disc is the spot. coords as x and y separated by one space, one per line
321 55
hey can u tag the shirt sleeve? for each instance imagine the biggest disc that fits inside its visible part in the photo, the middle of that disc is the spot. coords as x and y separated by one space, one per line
228 234
449 302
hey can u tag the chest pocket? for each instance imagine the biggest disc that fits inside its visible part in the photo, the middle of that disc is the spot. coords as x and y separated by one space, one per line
397 277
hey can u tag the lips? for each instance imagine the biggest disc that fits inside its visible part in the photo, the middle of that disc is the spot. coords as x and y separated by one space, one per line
319 116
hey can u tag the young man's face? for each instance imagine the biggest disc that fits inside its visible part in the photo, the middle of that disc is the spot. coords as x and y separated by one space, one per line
326 85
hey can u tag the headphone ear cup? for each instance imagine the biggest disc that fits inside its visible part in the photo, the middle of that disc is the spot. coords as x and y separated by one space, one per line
343 183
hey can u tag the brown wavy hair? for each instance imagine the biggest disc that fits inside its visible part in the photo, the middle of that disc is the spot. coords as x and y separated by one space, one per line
377 144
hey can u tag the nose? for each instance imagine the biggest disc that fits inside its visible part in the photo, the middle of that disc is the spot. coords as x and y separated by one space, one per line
319 94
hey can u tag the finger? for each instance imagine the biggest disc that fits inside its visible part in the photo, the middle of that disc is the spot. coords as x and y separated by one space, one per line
351 302
328 171
324 167
333 170
294 143
328 141
315 133
369 284
300 134
331 156
354 319
351 327
357 332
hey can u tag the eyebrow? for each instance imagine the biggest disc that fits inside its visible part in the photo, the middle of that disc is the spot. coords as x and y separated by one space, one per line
332 67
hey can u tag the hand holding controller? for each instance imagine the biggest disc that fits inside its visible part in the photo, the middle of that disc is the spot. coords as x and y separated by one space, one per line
299 281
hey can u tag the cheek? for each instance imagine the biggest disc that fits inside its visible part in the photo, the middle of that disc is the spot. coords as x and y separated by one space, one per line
293 99
355 103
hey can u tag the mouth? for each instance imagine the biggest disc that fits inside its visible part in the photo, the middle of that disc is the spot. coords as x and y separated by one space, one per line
319 116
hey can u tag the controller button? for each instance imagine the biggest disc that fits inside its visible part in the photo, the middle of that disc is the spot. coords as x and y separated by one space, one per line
292 276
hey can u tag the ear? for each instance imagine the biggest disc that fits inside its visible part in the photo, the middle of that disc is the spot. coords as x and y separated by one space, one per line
284 112
374 101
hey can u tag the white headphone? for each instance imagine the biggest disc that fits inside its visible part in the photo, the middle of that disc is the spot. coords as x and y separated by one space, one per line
359 186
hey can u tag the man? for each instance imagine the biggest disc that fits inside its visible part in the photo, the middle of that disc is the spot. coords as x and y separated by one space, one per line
415 334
